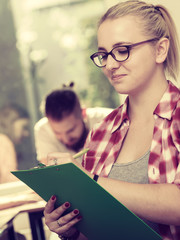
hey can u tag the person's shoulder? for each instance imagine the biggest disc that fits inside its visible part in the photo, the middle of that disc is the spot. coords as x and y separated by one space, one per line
4 137
5 141
98 111
43 130
95 115
108 119
43 122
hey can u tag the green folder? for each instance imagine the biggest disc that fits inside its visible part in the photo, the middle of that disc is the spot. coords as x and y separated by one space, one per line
104 217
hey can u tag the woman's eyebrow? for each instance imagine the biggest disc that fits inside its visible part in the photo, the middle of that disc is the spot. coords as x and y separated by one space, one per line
121 44
115 45
101 49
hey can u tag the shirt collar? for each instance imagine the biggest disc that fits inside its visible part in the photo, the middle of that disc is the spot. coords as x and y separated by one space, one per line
122 115
168 102
164 109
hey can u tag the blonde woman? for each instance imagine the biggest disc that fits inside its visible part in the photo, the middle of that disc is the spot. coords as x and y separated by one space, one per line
135 151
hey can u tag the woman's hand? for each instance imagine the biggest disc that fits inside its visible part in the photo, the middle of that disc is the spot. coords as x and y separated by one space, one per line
59 223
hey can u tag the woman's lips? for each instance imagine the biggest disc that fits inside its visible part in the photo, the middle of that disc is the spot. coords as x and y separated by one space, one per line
117 77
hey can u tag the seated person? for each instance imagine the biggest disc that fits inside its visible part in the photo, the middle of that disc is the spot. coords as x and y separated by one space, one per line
13 128
66 124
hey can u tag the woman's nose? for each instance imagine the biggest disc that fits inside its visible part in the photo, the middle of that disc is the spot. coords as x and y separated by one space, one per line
111 63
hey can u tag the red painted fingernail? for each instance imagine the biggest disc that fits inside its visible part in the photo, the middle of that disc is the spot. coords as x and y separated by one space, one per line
53 197
79 217
67 204
76 211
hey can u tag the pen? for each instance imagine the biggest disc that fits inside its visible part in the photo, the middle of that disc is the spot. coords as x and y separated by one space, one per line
79 154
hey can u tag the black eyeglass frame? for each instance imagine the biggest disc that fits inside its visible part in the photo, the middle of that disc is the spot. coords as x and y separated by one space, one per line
129 47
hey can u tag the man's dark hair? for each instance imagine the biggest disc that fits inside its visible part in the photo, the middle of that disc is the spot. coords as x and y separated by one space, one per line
61 103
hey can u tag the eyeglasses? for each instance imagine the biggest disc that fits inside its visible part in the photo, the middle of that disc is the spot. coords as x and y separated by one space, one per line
120 53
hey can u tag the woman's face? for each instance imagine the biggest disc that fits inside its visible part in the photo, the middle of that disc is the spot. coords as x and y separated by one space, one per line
136 72
21 129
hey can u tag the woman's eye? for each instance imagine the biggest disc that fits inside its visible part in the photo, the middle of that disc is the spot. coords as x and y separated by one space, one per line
122 50
103 57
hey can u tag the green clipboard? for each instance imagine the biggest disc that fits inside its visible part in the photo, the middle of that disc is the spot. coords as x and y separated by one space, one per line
104 217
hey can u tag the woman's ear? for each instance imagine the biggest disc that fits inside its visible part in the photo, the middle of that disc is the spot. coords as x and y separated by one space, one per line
162 50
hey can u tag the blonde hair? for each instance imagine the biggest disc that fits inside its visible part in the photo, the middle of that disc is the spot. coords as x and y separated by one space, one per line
156 22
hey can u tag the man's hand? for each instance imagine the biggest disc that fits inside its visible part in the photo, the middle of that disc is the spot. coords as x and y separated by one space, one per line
57 158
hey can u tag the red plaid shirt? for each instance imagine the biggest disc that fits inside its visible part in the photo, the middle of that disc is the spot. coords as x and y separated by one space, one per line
105 140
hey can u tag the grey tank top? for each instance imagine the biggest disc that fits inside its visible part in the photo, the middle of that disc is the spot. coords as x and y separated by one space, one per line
134 172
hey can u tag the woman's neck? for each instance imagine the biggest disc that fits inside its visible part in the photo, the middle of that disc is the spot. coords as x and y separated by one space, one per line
142 105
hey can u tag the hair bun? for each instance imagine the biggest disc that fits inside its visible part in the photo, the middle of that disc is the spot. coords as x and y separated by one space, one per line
70 85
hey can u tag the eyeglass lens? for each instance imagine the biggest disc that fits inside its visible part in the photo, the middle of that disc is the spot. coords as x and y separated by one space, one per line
120 54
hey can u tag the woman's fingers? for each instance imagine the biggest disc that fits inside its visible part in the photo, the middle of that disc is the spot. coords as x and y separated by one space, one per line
60 210
70 218
52 214
54 219
50 205
66 223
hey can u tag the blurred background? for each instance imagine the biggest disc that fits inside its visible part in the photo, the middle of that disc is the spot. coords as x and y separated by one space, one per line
47 43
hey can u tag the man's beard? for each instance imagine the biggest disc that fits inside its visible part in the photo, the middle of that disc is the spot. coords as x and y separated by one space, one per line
79 145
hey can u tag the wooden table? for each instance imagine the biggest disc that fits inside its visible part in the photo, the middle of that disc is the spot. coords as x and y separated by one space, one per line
21 200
